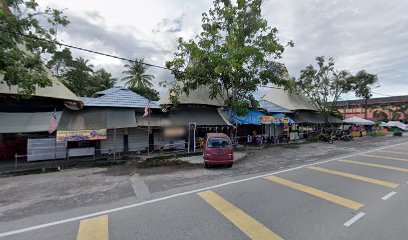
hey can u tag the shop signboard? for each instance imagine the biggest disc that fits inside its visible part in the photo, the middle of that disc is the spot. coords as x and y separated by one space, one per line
80 135
265 119
274 120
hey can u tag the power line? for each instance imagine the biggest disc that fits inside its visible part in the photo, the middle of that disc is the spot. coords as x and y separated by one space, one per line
122 58
86 50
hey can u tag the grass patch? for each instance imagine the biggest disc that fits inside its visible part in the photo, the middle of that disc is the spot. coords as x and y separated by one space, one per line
377 134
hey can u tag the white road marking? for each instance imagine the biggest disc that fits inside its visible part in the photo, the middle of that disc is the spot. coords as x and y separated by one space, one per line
95 214
354 219
388 195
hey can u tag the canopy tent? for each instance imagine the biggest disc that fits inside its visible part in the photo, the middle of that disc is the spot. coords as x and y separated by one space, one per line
252 117
397 124
358 121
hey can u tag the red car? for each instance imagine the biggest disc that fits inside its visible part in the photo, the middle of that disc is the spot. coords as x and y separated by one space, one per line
218 150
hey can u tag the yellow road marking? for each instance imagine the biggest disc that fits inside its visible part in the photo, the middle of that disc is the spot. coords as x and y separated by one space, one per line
394 152
318 193
251 227
94 229
376 165
357 177
384 157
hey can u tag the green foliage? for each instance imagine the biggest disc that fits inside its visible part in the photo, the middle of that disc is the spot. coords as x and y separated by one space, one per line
234 54
146 92
377 134
78 75
323 85
20 57
136 75
363 83
102 80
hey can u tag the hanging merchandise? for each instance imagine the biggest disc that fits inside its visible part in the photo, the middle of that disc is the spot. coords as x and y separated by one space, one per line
285 127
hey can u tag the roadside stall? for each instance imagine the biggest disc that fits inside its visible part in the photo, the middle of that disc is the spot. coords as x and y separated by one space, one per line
360 126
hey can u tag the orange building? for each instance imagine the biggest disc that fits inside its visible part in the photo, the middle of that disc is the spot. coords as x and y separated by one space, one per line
378 109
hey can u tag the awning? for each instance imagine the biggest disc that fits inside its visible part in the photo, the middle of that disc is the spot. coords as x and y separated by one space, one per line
312 117
252 117
202 116
25 122
97 118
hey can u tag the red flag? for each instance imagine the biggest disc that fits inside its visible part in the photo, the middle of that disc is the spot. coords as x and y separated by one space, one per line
146 110
53 123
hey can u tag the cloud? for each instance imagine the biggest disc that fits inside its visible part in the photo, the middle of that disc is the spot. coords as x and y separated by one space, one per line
365 34
168 25
359 34
91 32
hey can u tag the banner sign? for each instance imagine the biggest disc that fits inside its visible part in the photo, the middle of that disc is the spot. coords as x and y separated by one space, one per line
81 135
274 120
265 119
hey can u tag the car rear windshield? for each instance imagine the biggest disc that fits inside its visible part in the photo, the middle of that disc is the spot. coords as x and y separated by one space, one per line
218 143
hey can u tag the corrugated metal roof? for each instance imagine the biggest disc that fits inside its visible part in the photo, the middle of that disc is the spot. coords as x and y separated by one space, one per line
202 116
118 97
288 100
200 96
272 108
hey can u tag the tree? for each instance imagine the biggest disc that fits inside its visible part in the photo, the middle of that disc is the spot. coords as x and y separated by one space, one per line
102 80
78 77
363 83
235 53
146 92
136 75
323 85
20 51
60 62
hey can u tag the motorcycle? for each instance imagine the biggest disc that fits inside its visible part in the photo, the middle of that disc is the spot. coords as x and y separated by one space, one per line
326 138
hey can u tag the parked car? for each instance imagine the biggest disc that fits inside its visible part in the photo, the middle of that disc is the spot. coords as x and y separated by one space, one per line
218 150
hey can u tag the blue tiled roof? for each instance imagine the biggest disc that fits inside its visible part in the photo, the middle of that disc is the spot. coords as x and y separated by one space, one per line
272 108
118 97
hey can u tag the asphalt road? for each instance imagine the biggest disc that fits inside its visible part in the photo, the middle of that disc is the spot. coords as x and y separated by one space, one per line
361 195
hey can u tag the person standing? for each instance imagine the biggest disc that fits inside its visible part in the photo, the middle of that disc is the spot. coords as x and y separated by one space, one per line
361 131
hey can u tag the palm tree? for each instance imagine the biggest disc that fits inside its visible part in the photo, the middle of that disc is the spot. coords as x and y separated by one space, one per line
103 80
136 75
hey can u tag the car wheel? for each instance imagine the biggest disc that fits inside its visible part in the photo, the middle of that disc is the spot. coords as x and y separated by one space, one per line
206 165
229 165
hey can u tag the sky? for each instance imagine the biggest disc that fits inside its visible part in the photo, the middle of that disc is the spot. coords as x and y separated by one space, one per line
365 34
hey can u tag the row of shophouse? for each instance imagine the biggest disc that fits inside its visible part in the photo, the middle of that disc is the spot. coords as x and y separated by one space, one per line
113 121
